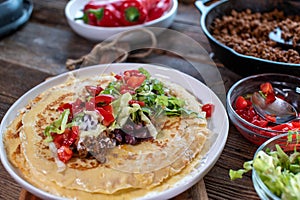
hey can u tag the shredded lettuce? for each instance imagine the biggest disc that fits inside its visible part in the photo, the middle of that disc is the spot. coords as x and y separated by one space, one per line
279 172
59 126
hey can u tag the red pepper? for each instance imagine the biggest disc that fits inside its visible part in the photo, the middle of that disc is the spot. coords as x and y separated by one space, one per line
108 117
141 103
162 6
133 12
101 14
108 108
104 99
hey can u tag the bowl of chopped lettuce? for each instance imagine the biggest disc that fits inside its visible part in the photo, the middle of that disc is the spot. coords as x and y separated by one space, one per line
275 168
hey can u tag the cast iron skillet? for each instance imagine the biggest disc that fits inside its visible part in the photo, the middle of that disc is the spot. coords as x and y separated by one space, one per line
239 63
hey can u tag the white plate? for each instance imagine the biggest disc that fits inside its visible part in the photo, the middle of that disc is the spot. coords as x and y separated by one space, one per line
74 9
218 123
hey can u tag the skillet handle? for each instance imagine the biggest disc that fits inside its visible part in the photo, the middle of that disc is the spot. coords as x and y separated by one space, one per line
200 4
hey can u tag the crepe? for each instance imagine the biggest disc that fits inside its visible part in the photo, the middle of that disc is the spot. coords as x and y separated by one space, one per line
129 170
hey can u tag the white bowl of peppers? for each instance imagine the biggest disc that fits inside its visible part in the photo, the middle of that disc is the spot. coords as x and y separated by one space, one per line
98 20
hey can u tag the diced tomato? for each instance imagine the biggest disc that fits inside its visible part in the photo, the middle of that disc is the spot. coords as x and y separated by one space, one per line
270 98
135 81
118 77
266 88
208 108
240 103
64 153
93 90
67 138
124 89
108 117
141 103
133 72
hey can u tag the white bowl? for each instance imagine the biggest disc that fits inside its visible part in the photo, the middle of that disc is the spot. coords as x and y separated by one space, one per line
95 33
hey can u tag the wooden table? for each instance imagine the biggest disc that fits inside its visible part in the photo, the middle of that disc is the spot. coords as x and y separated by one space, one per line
40 49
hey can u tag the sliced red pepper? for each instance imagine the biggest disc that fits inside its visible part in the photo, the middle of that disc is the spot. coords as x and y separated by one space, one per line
282 127
108 117
102 99
141 103
64 153
108 108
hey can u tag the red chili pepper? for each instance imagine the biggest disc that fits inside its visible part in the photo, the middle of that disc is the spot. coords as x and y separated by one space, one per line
108 117
133 12
141 103
162 6
101 14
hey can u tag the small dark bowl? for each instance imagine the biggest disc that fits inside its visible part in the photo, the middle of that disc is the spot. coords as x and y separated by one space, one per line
13 14
286 83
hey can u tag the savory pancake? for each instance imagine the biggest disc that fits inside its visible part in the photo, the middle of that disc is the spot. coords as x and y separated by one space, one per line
128 169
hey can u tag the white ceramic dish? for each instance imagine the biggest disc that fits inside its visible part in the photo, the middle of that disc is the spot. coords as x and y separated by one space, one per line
218 123
95 33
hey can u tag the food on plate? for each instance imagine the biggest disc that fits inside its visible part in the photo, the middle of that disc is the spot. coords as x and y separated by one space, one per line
278 169
243 107
247 33
117 13
116 135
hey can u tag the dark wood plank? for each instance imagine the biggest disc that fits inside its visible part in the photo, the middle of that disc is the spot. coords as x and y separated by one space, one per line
15 80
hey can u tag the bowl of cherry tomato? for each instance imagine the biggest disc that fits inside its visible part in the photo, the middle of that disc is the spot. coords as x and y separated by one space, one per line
243 115
98 20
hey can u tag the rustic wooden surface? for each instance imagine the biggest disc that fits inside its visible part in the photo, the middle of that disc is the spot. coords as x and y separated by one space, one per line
40 49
